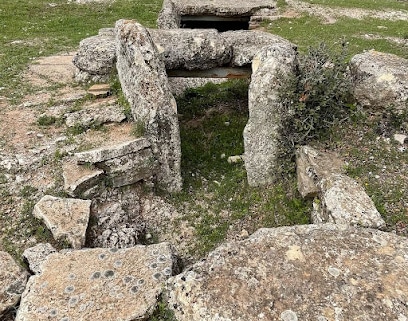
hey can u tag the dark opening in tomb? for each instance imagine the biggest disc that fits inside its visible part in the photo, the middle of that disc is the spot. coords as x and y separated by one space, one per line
215 22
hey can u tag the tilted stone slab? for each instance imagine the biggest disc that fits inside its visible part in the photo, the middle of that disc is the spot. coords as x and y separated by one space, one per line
104 153
98 284
261 134
310 272
67 218
79 179
131 168
312 166
380 80
145 85
344 201
12 282
246 44
191 48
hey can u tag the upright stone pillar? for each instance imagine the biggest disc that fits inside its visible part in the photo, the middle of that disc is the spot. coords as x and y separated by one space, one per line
144 82
261 134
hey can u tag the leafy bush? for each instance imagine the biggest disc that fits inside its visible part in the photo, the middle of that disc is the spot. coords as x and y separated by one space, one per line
315 98
46 120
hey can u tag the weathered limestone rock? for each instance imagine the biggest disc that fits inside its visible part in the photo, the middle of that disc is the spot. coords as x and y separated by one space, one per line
261 134
67 218
12 282
144 83
78 180
246 44
95 58
310 272
173 10
312 166
97 114
344 201
37 254
98 284
179 85
131 168
191 48
105 153
380 80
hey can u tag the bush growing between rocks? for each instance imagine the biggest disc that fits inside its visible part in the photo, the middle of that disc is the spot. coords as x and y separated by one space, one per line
317 97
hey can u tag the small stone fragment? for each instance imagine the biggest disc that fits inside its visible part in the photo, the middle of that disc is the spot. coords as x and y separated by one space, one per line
99 90
37 254
79 179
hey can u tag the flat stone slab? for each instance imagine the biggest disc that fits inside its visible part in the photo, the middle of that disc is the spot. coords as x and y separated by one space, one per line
108 152
67 218
98 284
79 179
309 272
12 282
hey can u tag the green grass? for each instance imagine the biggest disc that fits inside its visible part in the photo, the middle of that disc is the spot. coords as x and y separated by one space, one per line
364 4
309 31
33 28
217 193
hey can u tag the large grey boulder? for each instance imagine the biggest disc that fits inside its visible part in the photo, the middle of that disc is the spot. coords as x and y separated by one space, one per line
98 284
67 218
261 134
380 80
144 83
246 44
191 48
95 58
310 272
12 282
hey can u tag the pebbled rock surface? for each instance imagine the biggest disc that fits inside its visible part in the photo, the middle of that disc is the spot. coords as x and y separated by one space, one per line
67 218
246 44
191 48
380 80
261 134
98 284
12 282
309 272
145 85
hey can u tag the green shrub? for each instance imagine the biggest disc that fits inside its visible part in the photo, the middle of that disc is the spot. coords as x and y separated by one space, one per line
46 120
317 97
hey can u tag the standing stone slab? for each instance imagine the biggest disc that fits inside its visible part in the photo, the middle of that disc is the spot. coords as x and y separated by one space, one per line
310 272
98 284
144 83
12 282
344 201
261 134
380 80
67 218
